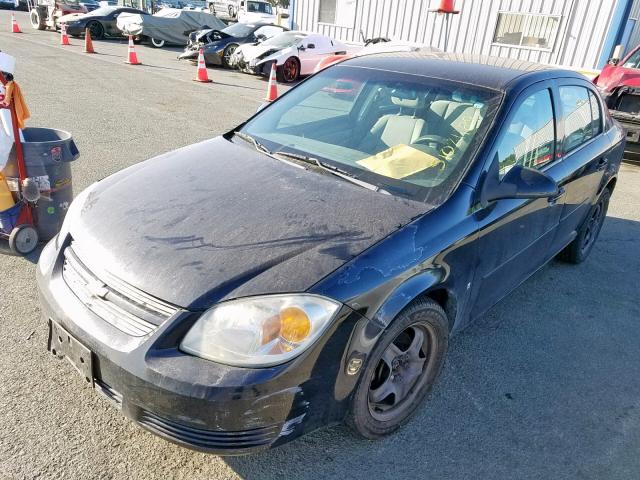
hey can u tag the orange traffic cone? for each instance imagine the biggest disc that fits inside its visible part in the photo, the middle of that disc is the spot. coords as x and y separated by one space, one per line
88 44
201 75
272 89
15 28
64 39
132 58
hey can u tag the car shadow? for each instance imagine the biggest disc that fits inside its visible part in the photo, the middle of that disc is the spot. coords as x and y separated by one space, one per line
545 385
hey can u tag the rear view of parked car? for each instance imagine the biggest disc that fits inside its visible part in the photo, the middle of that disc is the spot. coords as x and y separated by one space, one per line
330 248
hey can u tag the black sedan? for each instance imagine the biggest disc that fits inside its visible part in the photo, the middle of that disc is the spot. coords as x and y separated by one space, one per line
219 45
310 266
101 22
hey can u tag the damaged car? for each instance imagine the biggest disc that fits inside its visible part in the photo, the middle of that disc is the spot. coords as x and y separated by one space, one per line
219 45
309 266
100 22
294 53
619 83
168 26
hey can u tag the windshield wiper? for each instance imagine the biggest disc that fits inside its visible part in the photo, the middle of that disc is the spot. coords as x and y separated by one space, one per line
333 170
250 139
261 148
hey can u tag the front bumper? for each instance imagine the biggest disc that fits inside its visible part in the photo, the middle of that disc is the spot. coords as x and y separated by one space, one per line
75 30
194 402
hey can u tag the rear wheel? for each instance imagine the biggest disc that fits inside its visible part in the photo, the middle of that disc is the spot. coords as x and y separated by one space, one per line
401 370
289 71
157 43
37 20
96 29
578 250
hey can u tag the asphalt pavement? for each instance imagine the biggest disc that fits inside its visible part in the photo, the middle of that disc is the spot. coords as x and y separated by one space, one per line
543 386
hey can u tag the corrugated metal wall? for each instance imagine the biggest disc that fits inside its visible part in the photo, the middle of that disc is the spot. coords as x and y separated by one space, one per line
635 35
582 28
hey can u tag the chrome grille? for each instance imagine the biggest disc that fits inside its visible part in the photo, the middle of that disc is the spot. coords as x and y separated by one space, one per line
115 301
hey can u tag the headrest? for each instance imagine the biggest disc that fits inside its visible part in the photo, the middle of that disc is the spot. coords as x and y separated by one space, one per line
404 98
7 63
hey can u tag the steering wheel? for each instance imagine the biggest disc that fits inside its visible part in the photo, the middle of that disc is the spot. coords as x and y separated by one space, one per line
431 139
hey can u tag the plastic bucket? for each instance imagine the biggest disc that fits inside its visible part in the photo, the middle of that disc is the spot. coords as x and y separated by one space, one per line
9 218
48 154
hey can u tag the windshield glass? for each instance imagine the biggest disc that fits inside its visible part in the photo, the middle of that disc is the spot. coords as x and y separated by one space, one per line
102 11
259 7
284 40
238 30
406 134
633 61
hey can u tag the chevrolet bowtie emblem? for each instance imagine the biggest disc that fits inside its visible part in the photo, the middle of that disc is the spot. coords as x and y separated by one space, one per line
97 289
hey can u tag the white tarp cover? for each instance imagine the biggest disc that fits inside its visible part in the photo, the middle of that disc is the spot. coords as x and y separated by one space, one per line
169 24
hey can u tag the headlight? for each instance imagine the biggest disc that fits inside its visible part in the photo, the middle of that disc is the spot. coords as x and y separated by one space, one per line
260 331
72 212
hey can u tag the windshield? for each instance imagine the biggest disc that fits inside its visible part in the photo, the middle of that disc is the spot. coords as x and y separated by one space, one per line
238 30
409 135
633 61
103 11
259 7
284 40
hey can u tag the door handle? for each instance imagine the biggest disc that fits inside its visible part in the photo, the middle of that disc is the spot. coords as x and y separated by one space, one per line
554 198
602 164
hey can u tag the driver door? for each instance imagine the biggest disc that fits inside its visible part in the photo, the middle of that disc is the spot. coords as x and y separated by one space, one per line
516 235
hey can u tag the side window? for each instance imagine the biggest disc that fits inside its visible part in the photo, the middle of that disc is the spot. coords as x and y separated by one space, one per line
596 116
578 122
633 61
529 138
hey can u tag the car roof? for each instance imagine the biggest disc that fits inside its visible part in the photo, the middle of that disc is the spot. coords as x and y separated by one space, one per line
496 73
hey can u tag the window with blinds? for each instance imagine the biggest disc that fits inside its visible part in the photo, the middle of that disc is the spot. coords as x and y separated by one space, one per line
526 30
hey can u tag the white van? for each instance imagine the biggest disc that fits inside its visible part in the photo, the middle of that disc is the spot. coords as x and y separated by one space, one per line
245 11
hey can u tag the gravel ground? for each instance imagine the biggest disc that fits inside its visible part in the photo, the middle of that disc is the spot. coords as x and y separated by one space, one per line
543 386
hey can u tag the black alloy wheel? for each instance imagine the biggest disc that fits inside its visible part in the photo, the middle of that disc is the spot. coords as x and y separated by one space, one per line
96 30
400 370
289 71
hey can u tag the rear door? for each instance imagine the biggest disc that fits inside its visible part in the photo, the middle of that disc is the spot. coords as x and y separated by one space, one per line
585 150
515 236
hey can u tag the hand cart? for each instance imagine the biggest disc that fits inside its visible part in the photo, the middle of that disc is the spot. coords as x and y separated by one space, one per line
21 232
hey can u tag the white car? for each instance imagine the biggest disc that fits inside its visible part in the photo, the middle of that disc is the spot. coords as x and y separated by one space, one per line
245 11
294 53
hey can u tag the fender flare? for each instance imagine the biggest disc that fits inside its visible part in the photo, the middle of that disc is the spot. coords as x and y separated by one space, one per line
405 293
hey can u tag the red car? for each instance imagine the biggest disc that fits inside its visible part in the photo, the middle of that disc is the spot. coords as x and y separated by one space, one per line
619 83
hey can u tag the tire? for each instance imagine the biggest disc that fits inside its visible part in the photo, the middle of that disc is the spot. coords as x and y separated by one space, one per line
36 19
23 239
580 248
226 55
96 29
371 414
156 43
289 71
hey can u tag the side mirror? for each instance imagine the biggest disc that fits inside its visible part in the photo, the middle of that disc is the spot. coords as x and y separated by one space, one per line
311 45
613 61
260 38
519 182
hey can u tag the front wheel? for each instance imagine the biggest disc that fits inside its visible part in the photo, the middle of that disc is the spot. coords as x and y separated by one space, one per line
401 370
580 248
96 30
289 71
157 43
226 55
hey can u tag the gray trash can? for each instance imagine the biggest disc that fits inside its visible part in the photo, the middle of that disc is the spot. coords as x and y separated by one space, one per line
48 154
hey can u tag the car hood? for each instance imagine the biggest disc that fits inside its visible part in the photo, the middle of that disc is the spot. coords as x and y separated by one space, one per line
219 220
615 76
251 51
